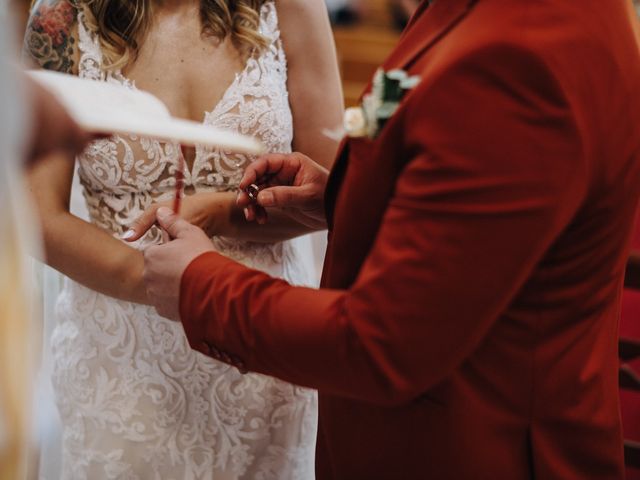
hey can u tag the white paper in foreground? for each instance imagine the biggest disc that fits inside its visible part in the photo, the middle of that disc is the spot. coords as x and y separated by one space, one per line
103 107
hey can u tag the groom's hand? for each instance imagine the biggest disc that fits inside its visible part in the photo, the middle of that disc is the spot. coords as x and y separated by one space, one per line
292 183
165 264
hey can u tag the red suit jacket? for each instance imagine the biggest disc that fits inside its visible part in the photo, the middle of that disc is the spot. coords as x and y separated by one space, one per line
467 323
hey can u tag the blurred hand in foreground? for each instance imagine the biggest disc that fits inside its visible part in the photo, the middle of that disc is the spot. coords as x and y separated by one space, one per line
53 128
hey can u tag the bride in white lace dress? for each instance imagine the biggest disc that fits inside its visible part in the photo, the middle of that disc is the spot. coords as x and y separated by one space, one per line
136 401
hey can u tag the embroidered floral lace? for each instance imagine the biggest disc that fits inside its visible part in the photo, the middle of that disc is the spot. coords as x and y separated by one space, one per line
136 402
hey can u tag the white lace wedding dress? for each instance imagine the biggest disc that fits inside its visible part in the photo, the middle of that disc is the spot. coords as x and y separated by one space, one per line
135 401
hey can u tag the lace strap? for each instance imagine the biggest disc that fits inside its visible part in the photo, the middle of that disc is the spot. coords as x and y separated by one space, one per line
269 23
90 65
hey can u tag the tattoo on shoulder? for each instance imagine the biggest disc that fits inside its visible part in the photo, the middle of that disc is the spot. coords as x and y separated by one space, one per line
49 39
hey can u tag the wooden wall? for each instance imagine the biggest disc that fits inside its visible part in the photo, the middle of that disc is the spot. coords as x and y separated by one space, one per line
362 48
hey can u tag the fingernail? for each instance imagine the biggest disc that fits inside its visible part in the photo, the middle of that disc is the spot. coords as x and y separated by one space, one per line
163 212
128 234
265 199
246 213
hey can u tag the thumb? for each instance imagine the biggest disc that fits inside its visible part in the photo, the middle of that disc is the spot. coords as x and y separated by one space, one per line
175 226
282 197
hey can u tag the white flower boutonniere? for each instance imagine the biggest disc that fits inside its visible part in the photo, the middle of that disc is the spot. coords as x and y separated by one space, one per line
389 88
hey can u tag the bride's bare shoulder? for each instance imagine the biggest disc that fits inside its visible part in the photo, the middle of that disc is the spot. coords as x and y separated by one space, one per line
51 36
304 10
302 20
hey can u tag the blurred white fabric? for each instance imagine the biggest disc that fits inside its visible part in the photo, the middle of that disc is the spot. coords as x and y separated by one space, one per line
18 333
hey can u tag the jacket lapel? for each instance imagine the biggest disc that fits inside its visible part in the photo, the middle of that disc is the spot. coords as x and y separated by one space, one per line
424 4
427 26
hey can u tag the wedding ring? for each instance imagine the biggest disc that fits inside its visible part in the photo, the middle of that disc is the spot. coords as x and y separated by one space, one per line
252 191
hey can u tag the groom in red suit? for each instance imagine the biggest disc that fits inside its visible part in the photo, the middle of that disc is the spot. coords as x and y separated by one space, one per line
466 327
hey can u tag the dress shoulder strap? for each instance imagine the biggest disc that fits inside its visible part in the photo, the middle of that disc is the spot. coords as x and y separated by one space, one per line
269 23
90 65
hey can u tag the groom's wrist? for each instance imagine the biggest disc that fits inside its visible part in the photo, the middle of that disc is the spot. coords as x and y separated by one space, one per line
197 292
201 299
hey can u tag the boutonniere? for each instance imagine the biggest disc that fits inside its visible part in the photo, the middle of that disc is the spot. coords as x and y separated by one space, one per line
378 106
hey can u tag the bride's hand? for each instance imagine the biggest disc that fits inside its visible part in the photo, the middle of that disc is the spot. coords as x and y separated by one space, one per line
204 210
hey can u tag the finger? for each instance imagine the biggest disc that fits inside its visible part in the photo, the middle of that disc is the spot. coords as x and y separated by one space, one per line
255 213
250 213
289 171
261 215
265 166
283 197
243 200
246 198
141 225
174 225
165 237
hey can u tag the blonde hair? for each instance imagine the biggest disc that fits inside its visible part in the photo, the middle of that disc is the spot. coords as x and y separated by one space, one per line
123 24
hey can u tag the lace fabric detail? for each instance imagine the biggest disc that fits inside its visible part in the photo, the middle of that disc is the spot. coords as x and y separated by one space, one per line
123 175
136 401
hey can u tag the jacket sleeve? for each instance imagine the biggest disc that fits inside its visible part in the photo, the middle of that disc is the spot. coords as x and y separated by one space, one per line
496 172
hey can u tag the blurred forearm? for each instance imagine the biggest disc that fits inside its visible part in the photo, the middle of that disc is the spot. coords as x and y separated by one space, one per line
80 250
